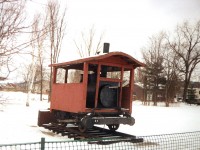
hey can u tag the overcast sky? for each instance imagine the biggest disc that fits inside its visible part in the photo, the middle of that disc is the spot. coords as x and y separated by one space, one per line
126 24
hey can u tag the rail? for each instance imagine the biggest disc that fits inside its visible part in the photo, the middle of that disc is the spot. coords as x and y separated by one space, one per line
178 141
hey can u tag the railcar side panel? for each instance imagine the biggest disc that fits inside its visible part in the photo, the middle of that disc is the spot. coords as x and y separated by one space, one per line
126 99
68 97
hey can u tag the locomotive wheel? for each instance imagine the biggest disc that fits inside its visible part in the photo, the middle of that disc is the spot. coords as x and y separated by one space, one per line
82 128
85 123
113 127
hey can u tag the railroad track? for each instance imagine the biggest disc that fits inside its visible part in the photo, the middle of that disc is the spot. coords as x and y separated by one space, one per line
97 135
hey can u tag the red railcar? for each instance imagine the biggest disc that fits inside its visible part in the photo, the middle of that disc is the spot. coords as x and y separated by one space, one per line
94 90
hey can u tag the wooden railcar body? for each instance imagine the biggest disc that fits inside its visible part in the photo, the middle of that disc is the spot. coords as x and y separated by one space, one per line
84 96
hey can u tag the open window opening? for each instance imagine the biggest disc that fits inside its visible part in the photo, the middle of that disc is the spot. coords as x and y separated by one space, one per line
110 72
60 75
126 78
69 74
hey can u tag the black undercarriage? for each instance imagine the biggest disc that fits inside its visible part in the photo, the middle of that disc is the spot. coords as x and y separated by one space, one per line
86 121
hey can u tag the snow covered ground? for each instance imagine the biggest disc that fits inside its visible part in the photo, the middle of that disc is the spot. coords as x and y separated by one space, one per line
18 123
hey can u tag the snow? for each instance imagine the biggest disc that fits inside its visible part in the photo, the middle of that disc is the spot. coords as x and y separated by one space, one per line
18 123
155 120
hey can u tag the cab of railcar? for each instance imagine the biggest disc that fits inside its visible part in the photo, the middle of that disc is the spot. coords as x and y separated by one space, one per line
100 84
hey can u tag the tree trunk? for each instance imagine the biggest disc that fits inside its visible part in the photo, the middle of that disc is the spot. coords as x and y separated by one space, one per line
186 84
41 82
30 86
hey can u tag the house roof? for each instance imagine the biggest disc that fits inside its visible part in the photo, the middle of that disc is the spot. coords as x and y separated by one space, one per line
2 78
194 85
127 58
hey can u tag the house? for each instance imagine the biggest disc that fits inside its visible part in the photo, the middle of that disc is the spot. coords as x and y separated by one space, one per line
23 86
45 87
138 91
195 88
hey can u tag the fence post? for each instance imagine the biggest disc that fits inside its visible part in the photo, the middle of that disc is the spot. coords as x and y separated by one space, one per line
42 143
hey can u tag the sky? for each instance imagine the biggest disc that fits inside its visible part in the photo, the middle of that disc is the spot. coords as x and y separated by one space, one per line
125 24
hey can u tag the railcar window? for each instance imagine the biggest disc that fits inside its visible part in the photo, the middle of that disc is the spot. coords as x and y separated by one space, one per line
126 78
110 72
60 76
74 76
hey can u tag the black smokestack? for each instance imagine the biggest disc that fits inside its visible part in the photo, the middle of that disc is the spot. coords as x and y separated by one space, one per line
106 47
104 68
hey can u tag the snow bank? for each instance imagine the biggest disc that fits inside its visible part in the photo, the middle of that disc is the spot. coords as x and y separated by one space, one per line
154 120
18 123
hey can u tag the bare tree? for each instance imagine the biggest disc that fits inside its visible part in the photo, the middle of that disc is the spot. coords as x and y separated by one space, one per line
11 26
56 29
186 45
172 74
41 60
154 77
34 59
37 42
57 26
89 45
41 35
162 77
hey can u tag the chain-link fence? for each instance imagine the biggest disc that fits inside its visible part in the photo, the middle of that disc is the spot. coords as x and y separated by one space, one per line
180 141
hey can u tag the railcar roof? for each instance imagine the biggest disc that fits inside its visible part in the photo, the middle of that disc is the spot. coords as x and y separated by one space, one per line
124 56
